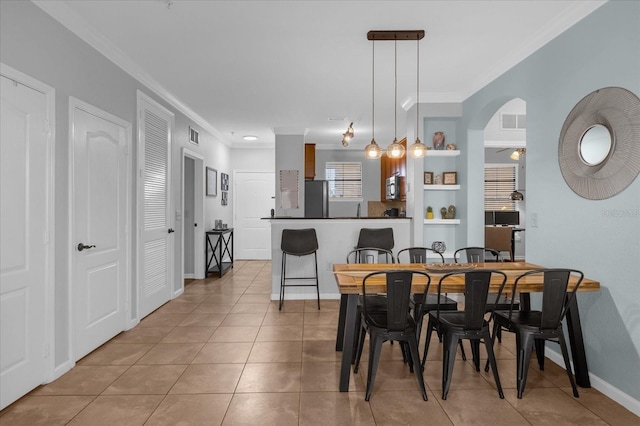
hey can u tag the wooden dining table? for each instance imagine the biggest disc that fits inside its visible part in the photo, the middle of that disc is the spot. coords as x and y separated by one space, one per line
349 280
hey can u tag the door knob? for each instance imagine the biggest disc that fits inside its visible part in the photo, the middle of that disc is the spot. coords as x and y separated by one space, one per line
171 230
84 246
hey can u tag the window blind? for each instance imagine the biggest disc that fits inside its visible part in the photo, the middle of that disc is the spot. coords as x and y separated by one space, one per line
499 183
345 180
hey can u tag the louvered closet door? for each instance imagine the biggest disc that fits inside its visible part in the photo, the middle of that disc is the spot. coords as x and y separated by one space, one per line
156 239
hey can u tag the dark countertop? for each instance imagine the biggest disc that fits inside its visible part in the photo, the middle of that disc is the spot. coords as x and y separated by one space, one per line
331 218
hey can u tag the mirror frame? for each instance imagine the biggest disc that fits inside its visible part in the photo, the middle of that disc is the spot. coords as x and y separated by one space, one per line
618 110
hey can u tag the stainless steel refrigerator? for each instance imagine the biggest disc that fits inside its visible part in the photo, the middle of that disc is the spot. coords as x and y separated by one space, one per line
316 198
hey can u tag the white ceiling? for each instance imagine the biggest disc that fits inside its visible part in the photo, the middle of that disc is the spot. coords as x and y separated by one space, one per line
247 67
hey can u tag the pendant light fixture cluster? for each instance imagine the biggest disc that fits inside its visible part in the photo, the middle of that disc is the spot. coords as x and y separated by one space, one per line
396 149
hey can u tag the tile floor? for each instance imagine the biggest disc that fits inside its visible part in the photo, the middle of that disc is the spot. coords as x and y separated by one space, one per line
222 353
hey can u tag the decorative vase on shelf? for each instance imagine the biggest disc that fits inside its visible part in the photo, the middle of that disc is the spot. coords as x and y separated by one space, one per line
429 212
443 212
438 246
451 212
438 180
438 140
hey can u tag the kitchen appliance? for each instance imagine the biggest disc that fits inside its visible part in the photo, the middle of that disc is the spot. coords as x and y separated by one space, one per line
393 188
316 198
392 212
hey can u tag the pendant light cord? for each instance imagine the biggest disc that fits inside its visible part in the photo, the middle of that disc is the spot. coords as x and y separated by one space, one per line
395 90
373 89
418 90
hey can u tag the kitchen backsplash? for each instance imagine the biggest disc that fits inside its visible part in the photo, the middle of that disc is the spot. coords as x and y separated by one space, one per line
377 208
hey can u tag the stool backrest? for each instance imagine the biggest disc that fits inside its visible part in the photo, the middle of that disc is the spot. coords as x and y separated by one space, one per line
299 242
376 237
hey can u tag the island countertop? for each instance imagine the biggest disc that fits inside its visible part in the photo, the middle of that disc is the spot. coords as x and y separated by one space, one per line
337 218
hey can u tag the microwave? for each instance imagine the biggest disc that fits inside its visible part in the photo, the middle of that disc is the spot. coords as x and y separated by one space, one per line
393 188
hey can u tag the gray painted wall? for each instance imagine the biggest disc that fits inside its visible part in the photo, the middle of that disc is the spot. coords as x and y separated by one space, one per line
35 44
599 237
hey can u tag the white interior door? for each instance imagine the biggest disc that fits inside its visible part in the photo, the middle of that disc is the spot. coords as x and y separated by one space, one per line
99 224
25 213
155 125
193 194
253 200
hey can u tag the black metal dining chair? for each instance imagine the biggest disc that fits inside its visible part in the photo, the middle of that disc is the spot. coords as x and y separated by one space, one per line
533 328
394 323
467 324
481 255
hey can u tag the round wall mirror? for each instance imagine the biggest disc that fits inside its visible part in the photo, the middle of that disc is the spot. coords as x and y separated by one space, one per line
598 151
595 144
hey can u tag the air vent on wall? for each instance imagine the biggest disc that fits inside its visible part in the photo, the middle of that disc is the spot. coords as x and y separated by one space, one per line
194 136
513 121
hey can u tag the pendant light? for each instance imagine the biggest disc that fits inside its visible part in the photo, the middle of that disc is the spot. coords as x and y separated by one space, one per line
417 149
373 150
395 150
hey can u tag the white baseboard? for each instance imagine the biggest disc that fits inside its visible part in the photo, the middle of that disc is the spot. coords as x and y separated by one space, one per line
61 369
600 385
190 276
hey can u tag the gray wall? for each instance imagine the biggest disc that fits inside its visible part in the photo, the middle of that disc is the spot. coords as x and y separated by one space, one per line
599 237
35 44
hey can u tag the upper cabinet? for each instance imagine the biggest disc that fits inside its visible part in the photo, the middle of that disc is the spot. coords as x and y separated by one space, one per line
393 167
309 161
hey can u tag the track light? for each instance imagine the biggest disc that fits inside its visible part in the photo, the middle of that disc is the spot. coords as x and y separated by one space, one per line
346 136
515 155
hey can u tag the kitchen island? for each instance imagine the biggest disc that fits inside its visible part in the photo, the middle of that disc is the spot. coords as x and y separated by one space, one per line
336 238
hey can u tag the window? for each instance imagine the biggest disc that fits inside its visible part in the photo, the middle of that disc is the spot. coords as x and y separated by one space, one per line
345 180
499 182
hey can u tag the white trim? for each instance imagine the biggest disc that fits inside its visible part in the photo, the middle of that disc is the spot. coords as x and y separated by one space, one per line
77 25
199 259
50 259
81 105
505 144
622 398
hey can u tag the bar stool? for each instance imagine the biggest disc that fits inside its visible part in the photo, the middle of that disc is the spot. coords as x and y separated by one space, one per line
298 242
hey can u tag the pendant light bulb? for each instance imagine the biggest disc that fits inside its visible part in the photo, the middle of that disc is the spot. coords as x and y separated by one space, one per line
395 150
417 149
373 151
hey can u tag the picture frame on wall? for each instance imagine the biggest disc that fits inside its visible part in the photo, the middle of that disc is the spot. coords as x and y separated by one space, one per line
224 200
428 178
450 178
224 182
212 182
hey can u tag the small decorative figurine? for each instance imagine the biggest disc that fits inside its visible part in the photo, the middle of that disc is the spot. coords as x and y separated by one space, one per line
451 212
443 212
429 212
438 180
438 246
451 147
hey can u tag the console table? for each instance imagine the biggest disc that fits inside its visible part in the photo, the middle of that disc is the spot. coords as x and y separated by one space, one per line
223 246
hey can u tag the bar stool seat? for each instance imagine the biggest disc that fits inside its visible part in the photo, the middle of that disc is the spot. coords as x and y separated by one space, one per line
298 242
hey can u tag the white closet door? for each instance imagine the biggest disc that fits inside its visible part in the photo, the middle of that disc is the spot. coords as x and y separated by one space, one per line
24 208
155 125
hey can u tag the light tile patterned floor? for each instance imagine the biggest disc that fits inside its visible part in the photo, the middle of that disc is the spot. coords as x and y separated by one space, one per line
222 353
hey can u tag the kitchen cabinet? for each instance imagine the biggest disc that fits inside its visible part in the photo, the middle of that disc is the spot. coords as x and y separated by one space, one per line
390 167
309 161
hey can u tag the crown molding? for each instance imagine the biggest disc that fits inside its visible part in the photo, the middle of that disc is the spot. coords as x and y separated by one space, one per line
284 130
74 23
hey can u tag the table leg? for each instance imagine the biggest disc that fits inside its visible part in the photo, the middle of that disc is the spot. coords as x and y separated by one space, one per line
341 318
349 336
577 345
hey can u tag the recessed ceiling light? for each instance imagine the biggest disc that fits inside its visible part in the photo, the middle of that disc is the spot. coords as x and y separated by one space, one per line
250 138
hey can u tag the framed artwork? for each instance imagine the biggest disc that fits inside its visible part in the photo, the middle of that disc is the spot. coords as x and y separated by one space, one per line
224 182
194 136
450 178
224 200
428 178
212 182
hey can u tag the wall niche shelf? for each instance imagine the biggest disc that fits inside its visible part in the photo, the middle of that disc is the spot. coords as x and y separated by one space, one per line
441 187
442 221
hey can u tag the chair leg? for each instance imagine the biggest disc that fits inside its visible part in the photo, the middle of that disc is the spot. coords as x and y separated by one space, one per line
491 358
496 327
524 343
317 282
539 343
475 352
357 332
418 316
417 368
361 337
565 355
464 356
448 361
426 342
375 346
283 270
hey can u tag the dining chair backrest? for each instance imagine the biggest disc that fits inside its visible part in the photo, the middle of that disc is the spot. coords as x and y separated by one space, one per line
476 290
398 290
556 295
419 255
376 237
370 255
299 242
477 255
